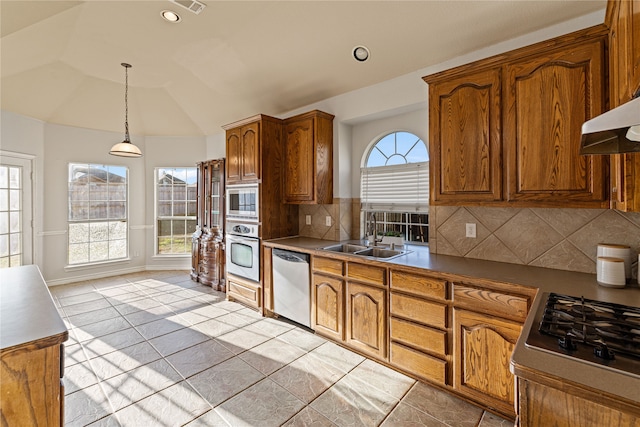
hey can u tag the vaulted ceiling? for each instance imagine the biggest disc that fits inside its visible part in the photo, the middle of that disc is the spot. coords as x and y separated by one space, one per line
60 60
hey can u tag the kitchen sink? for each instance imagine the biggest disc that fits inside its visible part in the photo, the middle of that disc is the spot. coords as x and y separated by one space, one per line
365 251
348 248
380 252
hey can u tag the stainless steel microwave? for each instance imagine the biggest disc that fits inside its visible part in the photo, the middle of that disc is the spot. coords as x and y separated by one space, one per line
243 202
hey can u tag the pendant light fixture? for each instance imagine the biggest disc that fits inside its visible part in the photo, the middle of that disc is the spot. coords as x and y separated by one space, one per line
126 148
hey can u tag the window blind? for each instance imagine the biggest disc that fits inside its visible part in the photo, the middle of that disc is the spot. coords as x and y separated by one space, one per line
395 188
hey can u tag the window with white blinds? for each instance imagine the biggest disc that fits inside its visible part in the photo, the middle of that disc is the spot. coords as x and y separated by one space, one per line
396 188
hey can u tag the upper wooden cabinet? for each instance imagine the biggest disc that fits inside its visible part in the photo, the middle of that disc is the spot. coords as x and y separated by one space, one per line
547 99
465 138
505 131
243 153
623 19
308 151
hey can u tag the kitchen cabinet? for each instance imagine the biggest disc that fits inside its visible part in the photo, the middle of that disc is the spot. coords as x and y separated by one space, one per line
465 140
308 158
247 292
486 326
366 308
327 298
31 352
623 19
348 304
255 156
366 319
419 325
505 131
243 153
546 401
483 347
207 254
547 99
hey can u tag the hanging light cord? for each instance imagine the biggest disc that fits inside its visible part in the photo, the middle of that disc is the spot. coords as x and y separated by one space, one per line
126 101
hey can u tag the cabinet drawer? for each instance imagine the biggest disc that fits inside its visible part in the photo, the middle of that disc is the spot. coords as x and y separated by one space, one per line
491 302
418 310
327 265
367 273
245 292
418 336
419 285
418 363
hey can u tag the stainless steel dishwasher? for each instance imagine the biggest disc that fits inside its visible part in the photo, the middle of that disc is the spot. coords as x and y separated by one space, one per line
291 286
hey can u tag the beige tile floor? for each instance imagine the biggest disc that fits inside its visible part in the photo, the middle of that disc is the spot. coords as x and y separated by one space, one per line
157 349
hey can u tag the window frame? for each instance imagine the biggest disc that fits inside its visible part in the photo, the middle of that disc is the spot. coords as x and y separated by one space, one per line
383 203
190 171
110 221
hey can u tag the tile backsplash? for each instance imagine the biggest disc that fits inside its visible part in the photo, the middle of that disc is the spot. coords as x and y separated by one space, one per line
344 224
564 239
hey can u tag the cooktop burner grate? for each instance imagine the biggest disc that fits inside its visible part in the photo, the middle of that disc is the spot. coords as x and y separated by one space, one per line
597 332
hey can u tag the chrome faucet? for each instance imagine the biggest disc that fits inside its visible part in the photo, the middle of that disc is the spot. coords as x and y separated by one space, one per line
372 217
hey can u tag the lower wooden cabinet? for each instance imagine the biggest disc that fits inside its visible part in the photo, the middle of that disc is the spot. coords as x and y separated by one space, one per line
327 306
31 392
418 363
244 291
482 351
366 319
207 259
544 405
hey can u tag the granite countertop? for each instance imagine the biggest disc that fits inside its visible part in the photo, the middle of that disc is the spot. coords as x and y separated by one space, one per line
544 280
28 315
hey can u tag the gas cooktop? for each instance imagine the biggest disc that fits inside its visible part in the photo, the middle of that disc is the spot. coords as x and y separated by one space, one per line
595 332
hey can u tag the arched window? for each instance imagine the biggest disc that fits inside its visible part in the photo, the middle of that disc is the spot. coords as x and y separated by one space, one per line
398 148
395 187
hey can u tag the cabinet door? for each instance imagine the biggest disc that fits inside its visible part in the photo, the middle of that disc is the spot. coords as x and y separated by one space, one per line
234 156
547 99
327 312
366 319
465 138
624 72
624 53
250 142
483 347
299 161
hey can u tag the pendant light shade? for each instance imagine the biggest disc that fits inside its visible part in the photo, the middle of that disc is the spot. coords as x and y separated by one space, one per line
126 148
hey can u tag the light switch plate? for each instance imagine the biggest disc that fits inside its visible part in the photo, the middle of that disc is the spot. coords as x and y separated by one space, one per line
470 230
307 219
328 221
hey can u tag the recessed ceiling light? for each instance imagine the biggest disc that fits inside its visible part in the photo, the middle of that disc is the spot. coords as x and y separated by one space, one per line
170 16
360 53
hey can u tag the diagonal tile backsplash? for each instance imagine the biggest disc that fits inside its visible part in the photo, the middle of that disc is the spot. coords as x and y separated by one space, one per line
564 239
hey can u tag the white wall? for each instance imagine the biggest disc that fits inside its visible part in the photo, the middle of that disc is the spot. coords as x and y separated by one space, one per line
64 145
24 135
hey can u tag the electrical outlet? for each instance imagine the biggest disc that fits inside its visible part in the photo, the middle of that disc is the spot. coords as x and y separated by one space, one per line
307 219
470 229
328 221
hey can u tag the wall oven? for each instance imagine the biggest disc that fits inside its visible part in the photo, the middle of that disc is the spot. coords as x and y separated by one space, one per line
243 202
243 250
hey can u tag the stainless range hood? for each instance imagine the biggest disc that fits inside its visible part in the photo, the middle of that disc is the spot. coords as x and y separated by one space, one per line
613 132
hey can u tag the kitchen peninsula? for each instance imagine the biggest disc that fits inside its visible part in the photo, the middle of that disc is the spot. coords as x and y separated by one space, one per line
31 350
488 295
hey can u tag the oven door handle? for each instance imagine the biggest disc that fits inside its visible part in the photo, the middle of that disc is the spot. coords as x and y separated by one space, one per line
248 241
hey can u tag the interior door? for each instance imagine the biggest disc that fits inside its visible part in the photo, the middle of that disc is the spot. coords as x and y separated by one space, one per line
16 210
